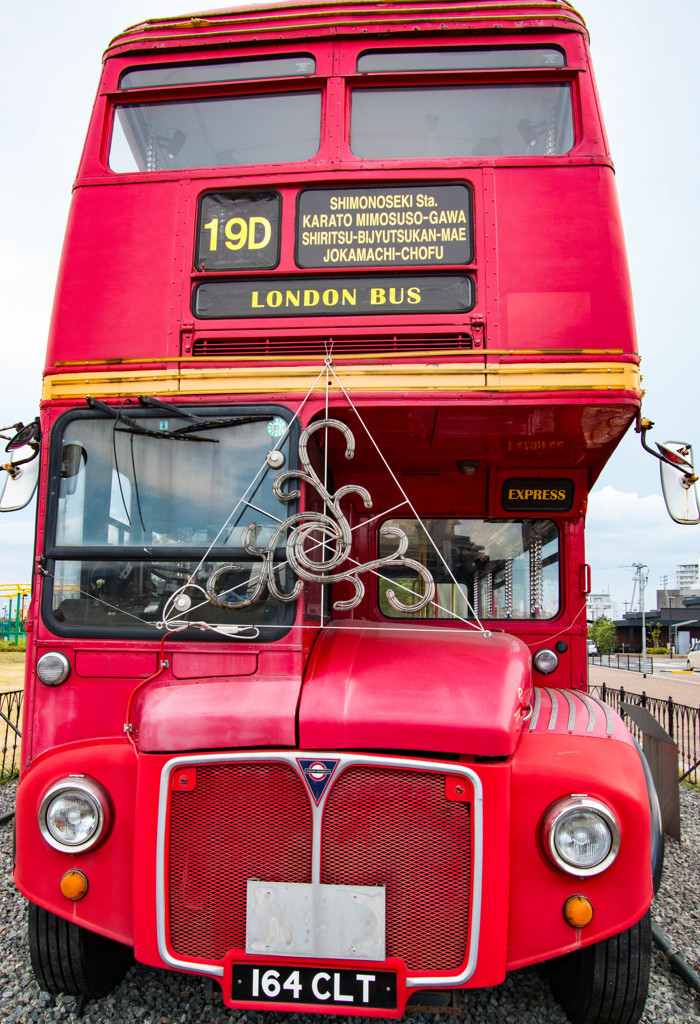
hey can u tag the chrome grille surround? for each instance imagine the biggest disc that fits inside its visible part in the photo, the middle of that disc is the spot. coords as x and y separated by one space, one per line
343 762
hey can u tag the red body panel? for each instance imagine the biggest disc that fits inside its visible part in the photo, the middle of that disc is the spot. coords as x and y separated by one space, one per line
108 907
566 288
227 714
521 923
620 895
462 693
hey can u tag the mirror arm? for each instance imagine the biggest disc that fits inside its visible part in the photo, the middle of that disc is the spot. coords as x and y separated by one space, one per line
13 467
642 427
14 427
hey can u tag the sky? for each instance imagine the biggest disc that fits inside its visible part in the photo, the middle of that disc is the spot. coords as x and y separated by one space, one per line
646 69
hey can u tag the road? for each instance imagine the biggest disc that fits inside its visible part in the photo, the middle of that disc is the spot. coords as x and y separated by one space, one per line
668 680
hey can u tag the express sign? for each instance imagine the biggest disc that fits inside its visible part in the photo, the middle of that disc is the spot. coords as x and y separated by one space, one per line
526 494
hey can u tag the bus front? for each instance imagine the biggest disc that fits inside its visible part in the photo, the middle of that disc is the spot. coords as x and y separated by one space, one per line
342 340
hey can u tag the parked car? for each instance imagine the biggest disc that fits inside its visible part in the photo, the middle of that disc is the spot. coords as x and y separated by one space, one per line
593 648
693 662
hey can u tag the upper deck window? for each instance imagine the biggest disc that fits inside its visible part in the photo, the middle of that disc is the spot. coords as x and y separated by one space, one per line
461 60
221 132
158 75
462 120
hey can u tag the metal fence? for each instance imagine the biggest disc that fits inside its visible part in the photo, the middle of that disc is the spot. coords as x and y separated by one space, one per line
10 734
681 722
630 662
12 633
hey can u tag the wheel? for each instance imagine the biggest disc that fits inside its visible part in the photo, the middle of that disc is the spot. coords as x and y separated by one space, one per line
605 983
70 959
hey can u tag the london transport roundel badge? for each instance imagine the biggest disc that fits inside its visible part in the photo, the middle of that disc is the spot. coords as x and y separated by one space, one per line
317 774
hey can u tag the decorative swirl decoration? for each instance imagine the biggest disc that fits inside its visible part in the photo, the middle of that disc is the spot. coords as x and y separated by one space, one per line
326 535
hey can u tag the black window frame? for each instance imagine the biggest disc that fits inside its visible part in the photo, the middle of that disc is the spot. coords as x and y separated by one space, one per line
258 58
385 50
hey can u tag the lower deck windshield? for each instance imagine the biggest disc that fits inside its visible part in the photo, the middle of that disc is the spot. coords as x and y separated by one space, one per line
162 521
165 520
485 568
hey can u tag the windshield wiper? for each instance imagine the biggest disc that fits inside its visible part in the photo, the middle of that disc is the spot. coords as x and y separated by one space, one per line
197 422
134 427
184 433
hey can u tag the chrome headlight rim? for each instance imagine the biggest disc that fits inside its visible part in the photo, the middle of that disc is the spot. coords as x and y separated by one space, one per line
96 796
566 808
545 661
64 670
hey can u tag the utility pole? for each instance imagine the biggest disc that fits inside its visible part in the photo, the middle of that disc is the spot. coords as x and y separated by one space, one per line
639 566
664 584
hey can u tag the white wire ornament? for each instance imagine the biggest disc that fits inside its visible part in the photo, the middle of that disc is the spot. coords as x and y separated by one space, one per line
319 544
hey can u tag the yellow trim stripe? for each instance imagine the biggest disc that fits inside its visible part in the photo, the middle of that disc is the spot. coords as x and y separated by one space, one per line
601 377
472 355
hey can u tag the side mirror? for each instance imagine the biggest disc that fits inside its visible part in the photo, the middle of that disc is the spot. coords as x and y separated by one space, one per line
18 483
678 481
19 477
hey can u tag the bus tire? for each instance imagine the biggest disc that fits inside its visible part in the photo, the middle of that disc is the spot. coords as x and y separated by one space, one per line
69 959
605 983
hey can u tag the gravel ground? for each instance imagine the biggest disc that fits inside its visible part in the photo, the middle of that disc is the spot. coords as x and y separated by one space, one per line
161 997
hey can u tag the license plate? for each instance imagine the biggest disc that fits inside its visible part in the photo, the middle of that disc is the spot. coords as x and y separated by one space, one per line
308 985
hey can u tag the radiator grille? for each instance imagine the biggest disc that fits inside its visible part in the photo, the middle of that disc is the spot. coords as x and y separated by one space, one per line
305 347
403 833
240 821
381 826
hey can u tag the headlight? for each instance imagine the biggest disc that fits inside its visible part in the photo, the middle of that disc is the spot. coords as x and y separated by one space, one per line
53 668
75 815
545 661
580 836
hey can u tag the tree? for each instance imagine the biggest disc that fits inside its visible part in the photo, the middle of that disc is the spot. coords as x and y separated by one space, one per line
655 633
603 633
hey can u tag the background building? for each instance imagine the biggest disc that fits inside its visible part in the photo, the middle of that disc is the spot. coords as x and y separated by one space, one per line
687 576
599 605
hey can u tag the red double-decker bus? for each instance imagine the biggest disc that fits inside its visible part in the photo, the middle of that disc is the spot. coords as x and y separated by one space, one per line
342 339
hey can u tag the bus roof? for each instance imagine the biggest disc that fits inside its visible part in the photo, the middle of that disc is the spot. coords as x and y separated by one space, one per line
309 19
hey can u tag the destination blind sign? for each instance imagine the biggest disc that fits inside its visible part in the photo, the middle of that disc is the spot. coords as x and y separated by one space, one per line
238 231
409 225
